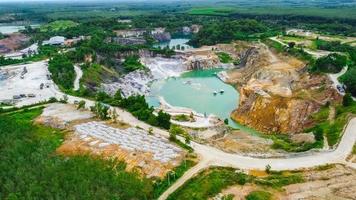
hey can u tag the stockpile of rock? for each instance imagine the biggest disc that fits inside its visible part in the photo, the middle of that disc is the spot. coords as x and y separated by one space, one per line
131 139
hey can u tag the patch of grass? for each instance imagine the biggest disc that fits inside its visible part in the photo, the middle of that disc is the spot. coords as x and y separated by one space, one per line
224 57
162 185
279 179
322 115
325 167
333 131
259 195
58 26
283 142
219 11
275 45
208 183
182 118
290 38
95 74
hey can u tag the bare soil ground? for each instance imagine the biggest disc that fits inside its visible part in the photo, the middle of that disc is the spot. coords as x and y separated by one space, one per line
62 116
139 161
323 183
244 143
13 42
66 116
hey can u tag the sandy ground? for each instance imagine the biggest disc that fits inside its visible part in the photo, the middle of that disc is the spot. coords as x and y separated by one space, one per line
332 183
66 112
200 121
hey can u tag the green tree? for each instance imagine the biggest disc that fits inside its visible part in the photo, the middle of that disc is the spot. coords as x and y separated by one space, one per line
163 120
132 63
100 110
332 63
347 100
81 104
62 71
349 79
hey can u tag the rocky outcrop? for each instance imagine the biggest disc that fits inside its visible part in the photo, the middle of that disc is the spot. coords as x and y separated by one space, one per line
276 94
202 62
162 37
201 58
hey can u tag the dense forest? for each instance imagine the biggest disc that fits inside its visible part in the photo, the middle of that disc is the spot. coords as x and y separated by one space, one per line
62 71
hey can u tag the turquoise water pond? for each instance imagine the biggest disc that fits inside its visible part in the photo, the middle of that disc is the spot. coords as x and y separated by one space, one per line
195 90
8 29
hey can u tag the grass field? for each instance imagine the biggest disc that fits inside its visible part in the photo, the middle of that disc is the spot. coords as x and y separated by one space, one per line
220 11
58 25
87 14
341 12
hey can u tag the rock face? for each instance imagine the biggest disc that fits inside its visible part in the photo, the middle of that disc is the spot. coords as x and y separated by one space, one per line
202 62
162 36
277 94
134 83
201 58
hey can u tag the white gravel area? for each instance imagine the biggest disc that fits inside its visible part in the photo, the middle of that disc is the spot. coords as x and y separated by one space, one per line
131 139
12 84
200 121
66 112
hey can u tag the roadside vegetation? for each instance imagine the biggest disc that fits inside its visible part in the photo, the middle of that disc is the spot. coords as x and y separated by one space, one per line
332 130
160 186
332 63
30 167
349 78
210 182
139 108
285 143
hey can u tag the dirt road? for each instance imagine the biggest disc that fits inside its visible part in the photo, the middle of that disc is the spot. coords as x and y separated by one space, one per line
79 74
215 157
